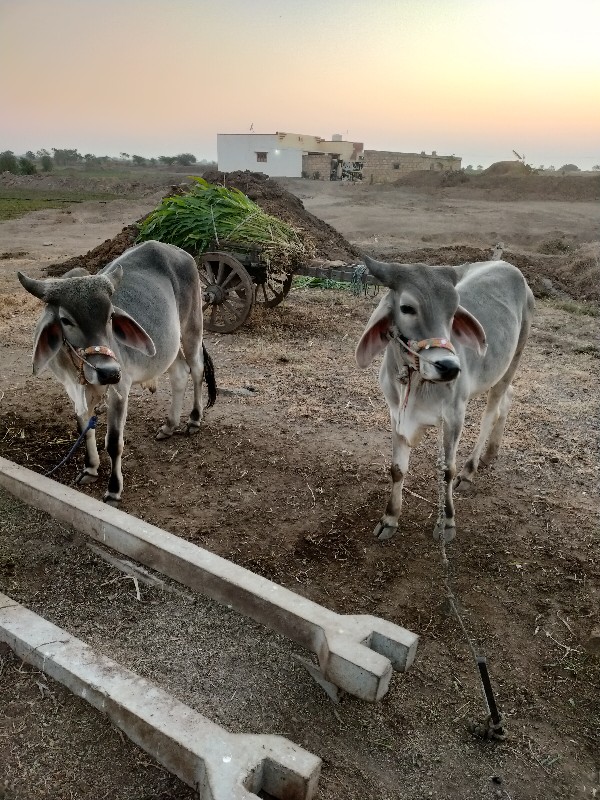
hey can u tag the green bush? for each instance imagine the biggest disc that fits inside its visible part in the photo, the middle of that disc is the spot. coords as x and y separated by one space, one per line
27 167
8 162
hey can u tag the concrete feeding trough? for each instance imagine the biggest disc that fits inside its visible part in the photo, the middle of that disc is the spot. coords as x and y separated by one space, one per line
355 653
219 765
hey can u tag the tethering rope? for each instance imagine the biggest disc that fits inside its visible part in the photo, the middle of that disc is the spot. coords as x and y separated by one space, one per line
91 425
492 727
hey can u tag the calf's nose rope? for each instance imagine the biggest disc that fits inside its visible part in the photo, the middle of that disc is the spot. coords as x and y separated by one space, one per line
492 727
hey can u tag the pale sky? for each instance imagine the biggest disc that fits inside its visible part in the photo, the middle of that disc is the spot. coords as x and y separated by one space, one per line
474 78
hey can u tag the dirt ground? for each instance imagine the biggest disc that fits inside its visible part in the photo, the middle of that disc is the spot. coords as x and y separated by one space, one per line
289 482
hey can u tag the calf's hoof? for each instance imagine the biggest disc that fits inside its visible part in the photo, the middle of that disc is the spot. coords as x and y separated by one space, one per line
464 485
490 455
85 477
444 531
384 530
111 500
192 428
164 433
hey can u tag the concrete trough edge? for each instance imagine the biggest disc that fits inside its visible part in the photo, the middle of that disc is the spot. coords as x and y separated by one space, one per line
217 764
356 653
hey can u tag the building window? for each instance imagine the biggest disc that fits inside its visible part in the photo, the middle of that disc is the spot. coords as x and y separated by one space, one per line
262 157
396 166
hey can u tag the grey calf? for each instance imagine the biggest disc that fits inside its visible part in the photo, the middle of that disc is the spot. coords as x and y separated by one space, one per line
139 317
449 333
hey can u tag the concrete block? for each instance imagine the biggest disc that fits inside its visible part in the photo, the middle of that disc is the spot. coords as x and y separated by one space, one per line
356 653
217 764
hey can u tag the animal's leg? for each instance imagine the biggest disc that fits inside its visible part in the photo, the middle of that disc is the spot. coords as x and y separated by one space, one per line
178 375
494 418
492 426
89 473
115 432
388 524
497 432
446 523
192 350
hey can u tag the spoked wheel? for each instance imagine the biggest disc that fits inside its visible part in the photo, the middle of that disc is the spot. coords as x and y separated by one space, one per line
227 292
277 284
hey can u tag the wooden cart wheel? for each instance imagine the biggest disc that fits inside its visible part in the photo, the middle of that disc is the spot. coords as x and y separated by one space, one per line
275 288
227 292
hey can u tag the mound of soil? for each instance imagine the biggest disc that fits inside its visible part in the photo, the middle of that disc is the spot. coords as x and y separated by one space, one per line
582 188
275 200
580 272
574 274
508 168
506 180
265 192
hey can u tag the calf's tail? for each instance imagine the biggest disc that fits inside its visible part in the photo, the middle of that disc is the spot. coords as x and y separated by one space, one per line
209 377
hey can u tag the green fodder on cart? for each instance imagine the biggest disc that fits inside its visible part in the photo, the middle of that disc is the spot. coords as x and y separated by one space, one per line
211 217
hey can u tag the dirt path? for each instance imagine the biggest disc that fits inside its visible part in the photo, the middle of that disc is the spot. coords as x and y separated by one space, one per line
290 483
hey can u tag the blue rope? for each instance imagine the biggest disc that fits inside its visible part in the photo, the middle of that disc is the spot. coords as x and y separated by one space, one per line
91 425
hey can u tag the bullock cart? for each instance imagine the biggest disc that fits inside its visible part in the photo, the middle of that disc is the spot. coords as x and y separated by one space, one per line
233 280
244 255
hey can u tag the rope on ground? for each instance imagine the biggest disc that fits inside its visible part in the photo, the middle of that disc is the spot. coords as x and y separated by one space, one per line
492 727
91 425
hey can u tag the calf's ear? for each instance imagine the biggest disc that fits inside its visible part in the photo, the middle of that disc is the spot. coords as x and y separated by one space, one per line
131 333
77 272
468 331
375 337
47 341
114 273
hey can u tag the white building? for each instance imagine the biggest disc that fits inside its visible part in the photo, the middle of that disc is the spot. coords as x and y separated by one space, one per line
279 154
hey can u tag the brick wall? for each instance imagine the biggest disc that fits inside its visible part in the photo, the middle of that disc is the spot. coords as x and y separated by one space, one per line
383 166
317 162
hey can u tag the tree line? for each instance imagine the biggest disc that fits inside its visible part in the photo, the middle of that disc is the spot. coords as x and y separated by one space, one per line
45 161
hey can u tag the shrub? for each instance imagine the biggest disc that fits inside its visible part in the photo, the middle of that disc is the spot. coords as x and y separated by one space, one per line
8 162
26 166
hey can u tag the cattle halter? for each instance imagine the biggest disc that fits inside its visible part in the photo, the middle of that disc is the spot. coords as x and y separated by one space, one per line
80 353
416 346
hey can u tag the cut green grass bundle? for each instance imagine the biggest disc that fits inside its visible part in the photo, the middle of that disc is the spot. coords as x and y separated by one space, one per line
213 217
305 282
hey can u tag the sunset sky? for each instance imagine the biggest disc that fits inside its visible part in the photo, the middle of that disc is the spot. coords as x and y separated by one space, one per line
474 78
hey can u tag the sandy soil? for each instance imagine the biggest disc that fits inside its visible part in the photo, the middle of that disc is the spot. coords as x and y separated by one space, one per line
289 483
